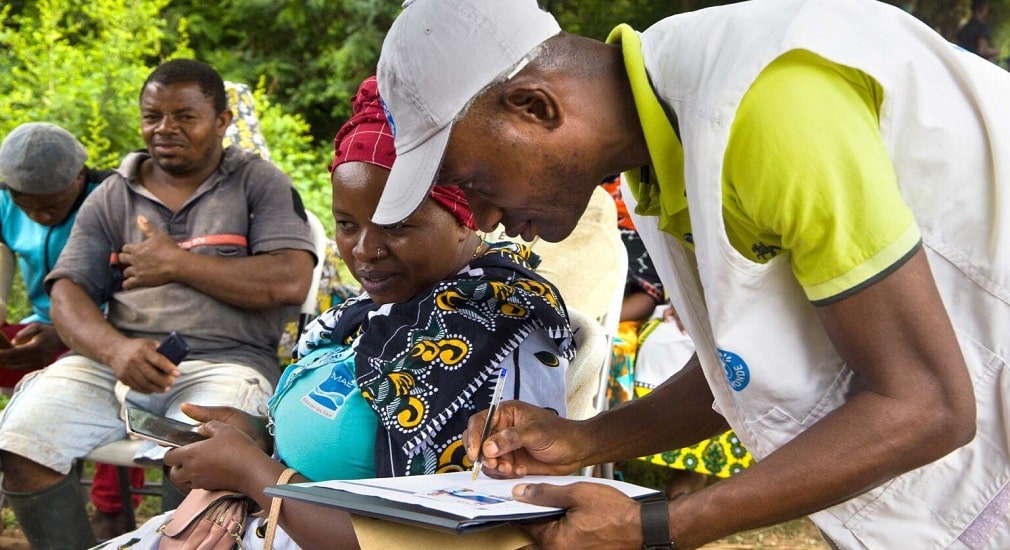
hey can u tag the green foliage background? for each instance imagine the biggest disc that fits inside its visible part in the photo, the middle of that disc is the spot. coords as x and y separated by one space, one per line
80 63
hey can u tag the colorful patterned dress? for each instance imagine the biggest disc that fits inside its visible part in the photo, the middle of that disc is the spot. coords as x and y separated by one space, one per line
426 365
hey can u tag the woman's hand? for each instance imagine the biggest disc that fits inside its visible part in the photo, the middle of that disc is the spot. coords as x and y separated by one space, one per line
228 460
35 346
253 426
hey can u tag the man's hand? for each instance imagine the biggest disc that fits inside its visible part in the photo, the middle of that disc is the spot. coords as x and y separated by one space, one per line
228 460
526 439
138 365
150 263
583 524
255 427
34 347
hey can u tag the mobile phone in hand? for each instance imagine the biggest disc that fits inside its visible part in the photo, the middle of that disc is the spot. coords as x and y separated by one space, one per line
174 347
161 429
5 342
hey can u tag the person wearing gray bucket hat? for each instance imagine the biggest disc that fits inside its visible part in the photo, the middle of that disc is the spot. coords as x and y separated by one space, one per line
821 186
43 181
40 158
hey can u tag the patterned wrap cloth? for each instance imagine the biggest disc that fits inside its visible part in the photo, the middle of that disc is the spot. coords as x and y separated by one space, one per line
425 366
244 130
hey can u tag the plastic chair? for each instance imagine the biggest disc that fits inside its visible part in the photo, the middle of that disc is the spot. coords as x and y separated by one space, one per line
583 373
610 322
308 309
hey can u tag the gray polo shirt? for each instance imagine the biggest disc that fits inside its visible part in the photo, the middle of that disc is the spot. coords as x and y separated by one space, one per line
247 206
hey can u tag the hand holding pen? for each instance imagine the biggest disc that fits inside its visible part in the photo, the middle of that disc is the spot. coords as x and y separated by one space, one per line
499 389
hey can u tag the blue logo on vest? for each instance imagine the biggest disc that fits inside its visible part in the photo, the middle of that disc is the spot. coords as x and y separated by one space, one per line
736 370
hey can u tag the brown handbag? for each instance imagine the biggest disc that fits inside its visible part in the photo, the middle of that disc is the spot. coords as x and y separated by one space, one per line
206 520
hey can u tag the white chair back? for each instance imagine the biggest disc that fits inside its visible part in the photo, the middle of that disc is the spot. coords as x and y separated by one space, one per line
583 374
308 309
610 323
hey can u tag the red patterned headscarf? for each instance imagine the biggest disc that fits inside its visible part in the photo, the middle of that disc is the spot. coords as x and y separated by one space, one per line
366 137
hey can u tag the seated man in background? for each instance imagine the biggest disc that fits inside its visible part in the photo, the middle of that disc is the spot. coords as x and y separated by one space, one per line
187 236
45 181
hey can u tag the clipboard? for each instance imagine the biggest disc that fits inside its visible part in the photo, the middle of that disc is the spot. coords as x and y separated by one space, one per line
416 507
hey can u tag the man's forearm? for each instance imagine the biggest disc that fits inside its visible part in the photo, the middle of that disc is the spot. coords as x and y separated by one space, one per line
868 441
81 324
262 281
676 414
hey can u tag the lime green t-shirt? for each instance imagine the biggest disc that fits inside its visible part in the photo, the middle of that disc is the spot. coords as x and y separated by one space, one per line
805 172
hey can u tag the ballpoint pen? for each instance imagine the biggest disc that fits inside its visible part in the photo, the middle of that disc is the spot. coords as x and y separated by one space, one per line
499 389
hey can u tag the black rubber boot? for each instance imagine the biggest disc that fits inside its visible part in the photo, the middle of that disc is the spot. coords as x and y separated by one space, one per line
171 496
53 518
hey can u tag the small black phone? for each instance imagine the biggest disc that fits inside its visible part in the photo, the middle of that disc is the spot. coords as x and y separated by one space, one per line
161 429
174 347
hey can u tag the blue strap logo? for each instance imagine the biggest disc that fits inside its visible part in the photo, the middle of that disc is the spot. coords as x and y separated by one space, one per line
736 369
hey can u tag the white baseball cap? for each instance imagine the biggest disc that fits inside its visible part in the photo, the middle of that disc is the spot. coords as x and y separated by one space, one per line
437 56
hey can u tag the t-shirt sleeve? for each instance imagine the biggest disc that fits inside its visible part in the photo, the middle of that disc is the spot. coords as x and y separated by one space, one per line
86 259
278 215
806 165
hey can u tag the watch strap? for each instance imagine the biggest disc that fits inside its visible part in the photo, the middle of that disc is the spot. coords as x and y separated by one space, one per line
656 524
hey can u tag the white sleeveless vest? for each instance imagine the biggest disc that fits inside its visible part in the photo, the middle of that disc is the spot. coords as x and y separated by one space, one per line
946 123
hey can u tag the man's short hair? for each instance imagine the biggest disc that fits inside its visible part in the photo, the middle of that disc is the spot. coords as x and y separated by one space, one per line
183 71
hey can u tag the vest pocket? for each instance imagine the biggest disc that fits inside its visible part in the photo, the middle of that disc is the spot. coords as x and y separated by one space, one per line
942 499
775 428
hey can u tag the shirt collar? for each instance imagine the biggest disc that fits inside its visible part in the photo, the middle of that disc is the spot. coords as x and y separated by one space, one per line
665 149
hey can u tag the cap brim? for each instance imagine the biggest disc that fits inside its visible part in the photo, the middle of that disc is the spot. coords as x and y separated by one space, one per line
411 178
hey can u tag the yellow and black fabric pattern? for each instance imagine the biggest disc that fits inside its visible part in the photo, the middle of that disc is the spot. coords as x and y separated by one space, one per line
425 366
244 130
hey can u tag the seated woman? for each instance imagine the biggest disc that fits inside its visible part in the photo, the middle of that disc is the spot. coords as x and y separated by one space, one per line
385 382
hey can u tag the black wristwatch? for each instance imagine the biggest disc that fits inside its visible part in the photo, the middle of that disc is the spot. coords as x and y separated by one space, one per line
656 524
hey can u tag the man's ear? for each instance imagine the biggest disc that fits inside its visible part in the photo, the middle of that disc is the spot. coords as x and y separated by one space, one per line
533 102
223 120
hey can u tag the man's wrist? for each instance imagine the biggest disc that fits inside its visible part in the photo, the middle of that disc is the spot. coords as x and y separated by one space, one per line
655 516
